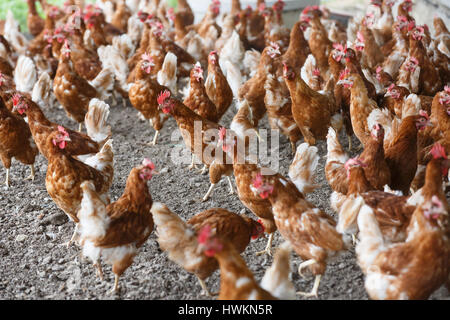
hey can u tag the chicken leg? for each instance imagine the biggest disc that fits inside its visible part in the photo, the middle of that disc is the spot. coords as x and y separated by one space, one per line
205 290
155 138
99 271
231 185
314 290
32 174
303 265
268 249
206 197
7 178
116 288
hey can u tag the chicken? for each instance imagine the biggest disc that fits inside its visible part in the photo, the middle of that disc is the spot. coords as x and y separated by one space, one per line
35 23
12 34
236 280
279 108
255 27
121 15
245 170
15 141
143 94
401 154
312 111
415 268
375 169
198 100
311 232
207 151
318 40
74 92
253 89
65 174
185 12
353 65
179 238
371 54
117 230
360 104
217 87
440 113
81 144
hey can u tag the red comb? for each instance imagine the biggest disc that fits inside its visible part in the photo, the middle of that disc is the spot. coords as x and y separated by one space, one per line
438 151
148 163
257 181
424 114
344 73
447 88
316 72
163 96
16 98
204 234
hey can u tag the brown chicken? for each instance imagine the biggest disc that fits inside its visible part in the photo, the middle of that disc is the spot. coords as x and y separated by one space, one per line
401 153
72 91
190 125
311 232
15 141
318 40
375 169
35 23
279 108
312 111
236 280
179 238
415 268
253 89
217 86
81 144
143 94
371 54
198 100
117 230
121 15
65 174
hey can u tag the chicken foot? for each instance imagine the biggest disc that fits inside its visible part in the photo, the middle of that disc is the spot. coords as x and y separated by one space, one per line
205 290
314 290
268 249
32 174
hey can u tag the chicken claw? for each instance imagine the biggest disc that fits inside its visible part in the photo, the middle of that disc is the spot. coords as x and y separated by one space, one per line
204 169
268 249
32 174
205 290
314 290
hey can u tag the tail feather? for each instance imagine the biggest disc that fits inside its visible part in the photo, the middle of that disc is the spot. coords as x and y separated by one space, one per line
301 171
411 106
175 236
167 76
96 121
93 217
112 58
233 75
103 160
334 148
42 90
11 32
124 45
371 242
348 215
104 82
25 74
276 279
251 62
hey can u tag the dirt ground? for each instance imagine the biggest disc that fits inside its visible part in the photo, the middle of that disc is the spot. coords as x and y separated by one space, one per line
35 265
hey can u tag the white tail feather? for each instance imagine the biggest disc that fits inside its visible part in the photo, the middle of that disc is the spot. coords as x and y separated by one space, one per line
96 120
167 76
25 74
301 171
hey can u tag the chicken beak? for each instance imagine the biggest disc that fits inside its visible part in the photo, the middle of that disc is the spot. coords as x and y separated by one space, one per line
388 94
429 124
